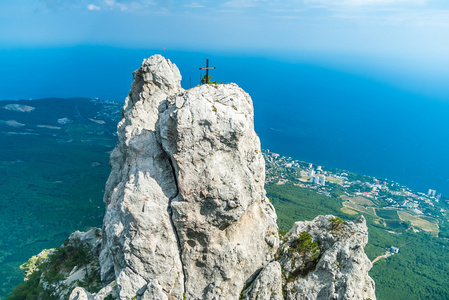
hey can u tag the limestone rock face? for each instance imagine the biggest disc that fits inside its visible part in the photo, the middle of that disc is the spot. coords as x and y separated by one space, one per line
267 285
187 216
80 294
226 226
139 239
324 259
186 212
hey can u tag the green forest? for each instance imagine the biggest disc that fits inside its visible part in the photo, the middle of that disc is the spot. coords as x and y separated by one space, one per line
52 176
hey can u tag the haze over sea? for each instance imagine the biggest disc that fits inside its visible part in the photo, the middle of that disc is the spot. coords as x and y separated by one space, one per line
340 112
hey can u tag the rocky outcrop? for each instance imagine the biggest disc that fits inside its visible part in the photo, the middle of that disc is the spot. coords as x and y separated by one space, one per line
139 240
71 269
318 260
186 212
187 215
226 226
325 259
267 285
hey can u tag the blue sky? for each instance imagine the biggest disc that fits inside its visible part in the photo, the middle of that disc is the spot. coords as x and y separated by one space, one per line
406 41
407 28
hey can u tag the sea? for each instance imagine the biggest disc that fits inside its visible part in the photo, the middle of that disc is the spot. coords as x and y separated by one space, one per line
333 111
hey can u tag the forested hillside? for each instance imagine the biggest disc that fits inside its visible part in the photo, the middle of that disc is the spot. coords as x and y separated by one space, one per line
418 271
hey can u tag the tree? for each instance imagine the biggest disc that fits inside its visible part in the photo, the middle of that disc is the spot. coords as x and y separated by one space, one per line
203 80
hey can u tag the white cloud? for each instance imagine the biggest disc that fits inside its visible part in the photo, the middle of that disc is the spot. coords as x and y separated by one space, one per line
194 5
112 4
362 2
93 7
244 3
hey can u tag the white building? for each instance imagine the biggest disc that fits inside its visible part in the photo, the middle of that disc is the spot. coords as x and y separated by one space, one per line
393 249
322 180
318 180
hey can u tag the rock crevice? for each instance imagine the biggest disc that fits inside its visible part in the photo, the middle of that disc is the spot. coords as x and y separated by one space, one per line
170 212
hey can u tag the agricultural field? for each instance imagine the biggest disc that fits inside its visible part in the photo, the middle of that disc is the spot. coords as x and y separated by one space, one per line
430 219
359 200
395 224
359 208
333 180
419 222
387 214
348 211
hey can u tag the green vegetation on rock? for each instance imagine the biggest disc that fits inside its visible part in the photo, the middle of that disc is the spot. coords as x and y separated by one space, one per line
305 244
47 280
33 263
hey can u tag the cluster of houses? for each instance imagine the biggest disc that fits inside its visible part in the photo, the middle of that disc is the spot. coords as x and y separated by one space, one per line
317 176
281 170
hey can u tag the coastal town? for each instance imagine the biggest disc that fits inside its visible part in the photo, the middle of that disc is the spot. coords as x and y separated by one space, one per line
380 198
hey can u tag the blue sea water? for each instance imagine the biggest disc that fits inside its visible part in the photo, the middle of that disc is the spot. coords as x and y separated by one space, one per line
335 117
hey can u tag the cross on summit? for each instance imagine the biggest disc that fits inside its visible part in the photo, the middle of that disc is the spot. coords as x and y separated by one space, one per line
207 70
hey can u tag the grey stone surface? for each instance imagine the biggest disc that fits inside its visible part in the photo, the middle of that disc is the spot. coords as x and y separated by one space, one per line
139 240
226 226
267 285
337 270
185 199
79 293
91 238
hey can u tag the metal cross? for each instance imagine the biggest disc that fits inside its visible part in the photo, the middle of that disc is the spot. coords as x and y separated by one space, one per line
207 69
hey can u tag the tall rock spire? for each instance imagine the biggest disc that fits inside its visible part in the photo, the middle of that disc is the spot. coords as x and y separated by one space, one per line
186 211
187 214
140 246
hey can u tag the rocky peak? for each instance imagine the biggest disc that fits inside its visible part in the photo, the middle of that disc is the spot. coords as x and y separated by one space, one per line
186 212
